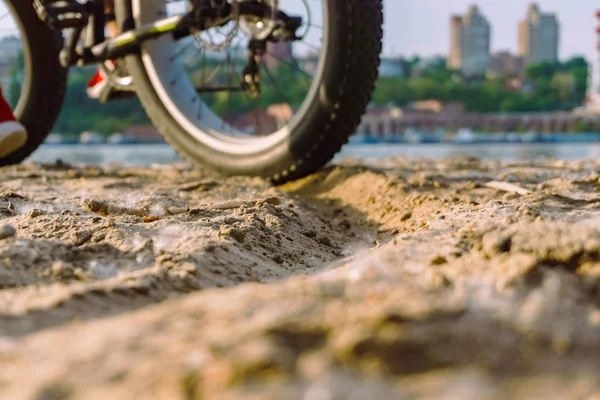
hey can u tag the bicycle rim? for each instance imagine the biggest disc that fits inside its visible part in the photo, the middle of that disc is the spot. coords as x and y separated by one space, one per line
15 58
166 70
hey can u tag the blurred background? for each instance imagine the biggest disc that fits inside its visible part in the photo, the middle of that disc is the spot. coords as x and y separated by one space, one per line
456 77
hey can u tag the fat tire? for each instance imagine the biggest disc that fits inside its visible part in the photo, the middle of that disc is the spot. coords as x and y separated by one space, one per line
346 89
44 97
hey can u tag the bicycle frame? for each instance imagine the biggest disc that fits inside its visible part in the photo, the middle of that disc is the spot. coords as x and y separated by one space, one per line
97 48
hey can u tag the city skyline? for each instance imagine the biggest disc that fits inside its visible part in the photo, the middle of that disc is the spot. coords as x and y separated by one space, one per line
539 36
470 50
470 42
421 27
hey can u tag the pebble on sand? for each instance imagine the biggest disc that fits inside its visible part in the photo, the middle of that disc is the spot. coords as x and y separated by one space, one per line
7 231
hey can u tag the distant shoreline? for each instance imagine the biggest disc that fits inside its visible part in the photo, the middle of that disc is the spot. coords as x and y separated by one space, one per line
478 139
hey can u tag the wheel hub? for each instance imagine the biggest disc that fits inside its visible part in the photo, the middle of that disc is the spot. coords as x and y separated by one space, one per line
260 28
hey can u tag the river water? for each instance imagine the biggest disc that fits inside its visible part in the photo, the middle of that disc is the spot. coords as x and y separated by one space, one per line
164 154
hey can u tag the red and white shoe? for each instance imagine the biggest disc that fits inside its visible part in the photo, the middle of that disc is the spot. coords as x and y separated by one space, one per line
97 85
101 88
13 135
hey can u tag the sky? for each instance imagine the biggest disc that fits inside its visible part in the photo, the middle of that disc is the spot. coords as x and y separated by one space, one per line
422 26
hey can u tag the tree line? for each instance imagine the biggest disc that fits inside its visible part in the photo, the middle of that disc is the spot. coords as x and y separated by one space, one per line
542 87
545 87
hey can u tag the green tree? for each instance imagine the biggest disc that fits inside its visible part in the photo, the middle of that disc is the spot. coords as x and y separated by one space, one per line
563 82
543 70
15 79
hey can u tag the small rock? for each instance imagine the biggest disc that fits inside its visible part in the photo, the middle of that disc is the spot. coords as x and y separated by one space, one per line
324 240
79 238
95 206
202 186
35 213
12 195
438 260
274 201
495 243
406 216
98 237
62 270
237 234
7 231
344 224
190 268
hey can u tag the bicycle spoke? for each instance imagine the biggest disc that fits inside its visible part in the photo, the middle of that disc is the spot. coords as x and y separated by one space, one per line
270 77
251 108
214 60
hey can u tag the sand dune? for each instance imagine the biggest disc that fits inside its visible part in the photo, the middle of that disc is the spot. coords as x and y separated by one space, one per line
401 279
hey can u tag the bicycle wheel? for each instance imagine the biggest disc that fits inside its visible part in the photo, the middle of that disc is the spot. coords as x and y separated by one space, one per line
313 91
30 73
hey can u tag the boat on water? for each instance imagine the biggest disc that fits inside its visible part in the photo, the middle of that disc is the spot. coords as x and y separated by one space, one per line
513 137
121 138
464 136
59 139
532 137
416 136
88 137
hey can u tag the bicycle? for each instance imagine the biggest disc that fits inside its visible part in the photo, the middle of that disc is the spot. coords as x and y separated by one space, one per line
161 39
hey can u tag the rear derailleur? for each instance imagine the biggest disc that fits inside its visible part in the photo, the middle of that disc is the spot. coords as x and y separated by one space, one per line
260 19
281 27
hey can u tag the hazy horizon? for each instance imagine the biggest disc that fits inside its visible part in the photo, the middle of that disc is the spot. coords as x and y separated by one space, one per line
421 27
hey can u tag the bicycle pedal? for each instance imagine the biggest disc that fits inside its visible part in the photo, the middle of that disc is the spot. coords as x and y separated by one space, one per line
62 14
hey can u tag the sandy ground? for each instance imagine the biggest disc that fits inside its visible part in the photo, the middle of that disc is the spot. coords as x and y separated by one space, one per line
405 279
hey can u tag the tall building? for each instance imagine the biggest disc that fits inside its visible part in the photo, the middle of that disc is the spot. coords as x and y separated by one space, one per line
539 36
470 42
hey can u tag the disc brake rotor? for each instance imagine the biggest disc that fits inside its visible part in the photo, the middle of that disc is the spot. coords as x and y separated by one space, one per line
220 38
259 28
217 38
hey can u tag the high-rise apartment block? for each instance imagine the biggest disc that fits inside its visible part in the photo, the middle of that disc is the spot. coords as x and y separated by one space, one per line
470 43
539 36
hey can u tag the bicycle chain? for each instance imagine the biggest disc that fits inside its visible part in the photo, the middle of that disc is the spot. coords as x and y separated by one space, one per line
210 45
